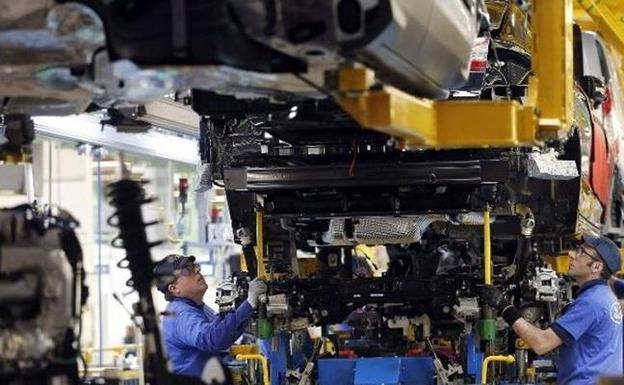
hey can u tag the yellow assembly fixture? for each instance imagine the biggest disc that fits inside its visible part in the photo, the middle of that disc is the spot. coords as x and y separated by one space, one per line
263 362
487 250
553 82
244 349
355 79
487 325
259 248
484 366
423 123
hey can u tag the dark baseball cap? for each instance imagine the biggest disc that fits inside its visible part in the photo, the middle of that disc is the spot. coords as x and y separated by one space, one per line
165 269
607 251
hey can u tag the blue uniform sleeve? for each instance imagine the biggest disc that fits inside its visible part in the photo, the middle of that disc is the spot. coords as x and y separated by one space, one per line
212 337
618 287
575 322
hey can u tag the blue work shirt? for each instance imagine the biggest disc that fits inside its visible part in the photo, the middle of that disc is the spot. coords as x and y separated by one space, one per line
591 331
193 333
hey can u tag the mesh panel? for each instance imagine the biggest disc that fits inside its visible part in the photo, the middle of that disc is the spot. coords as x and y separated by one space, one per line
379 230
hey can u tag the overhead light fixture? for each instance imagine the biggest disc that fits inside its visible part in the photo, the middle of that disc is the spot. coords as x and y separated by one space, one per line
87 129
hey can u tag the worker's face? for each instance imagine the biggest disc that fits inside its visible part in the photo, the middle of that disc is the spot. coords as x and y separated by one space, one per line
584 262
189 282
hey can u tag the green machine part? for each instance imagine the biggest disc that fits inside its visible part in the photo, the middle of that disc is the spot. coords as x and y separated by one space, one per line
487 329
265 326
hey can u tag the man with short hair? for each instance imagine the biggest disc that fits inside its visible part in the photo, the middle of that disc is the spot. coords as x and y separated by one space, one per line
193 332
589 331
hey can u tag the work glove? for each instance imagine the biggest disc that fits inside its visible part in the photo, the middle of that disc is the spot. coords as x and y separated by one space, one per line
493 297
256 289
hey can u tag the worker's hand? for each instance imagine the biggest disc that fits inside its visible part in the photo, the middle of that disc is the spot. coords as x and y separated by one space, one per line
493 297
256 289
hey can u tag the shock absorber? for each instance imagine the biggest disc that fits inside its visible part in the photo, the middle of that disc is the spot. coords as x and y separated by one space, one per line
127 197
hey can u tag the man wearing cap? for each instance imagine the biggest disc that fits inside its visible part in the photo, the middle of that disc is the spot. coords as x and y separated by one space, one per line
193 332
588 333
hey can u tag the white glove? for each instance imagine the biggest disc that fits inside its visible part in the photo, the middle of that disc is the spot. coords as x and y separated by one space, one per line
256 289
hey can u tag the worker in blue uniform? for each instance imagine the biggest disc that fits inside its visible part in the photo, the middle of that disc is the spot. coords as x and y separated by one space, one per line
588 333
192 331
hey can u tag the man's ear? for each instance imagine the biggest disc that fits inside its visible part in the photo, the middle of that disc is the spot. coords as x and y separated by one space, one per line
172 288
598 266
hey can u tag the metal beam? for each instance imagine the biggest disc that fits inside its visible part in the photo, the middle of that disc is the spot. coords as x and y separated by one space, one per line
423 123
552 62
172 116
393 112
87 129
478 124
403 174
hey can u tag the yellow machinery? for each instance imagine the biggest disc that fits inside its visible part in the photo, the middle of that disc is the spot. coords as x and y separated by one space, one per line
487 252
484 366
459 124
251 353
422 123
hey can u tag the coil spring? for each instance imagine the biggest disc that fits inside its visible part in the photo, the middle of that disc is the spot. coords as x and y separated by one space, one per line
128 197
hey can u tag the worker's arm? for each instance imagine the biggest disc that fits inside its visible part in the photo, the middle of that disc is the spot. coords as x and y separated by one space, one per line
194 330
566 330
541 341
